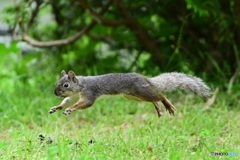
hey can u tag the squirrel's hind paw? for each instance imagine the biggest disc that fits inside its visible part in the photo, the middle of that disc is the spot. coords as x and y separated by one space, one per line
67 112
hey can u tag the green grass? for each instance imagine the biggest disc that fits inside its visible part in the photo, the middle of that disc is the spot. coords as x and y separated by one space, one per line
115 128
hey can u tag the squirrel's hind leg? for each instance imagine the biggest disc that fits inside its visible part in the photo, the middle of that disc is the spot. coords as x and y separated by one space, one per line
158 109
168 105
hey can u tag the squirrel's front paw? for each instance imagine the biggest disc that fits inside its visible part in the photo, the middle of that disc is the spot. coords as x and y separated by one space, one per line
67 112
53 109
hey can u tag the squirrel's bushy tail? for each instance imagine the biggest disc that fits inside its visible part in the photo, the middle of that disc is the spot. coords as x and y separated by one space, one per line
168 82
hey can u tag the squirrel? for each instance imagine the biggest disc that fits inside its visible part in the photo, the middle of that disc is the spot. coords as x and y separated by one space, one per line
80 92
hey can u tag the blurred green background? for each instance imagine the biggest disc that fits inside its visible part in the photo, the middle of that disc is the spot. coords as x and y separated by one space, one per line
39 38
196 37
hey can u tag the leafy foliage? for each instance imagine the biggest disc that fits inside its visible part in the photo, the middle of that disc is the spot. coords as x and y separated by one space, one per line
191 36
194 36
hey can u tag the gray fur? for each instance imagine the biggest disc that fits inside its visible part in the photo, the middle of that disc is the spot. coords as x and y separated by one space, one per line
82 91
132 84
169 82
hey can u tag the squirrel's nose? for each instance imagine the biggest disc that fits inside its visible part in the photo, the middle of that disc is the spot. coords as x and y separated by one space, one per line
55 92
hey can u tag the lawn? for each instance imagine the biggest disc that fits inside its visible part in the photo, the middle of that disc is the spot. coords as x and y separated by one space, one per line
115 128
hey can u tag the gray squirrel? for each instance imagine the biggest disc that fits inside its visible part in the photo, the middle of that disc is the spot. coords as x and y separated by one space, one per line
80 92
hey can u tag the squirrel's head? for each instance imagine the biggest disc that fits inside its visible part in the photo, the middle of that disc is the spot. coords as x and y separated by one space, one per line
68 85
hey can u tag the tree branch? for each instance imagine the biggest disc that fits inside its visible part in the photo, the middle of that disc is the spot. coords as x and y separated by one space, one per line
54 43
34 14
56 11
149 43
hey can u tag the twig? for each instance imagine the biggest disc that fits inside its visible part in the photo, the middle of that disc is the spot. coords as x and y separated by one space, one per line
105 39
236 73
134 62
211 100
232 79
100 19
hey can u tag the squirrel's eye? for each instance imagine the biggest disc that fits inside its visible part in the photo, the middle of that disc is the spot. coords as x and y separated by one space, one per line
66 85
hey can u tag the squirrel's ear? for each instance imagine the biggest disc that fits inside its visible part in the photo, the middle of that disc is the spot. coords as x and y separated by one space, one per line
63 73
72 76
